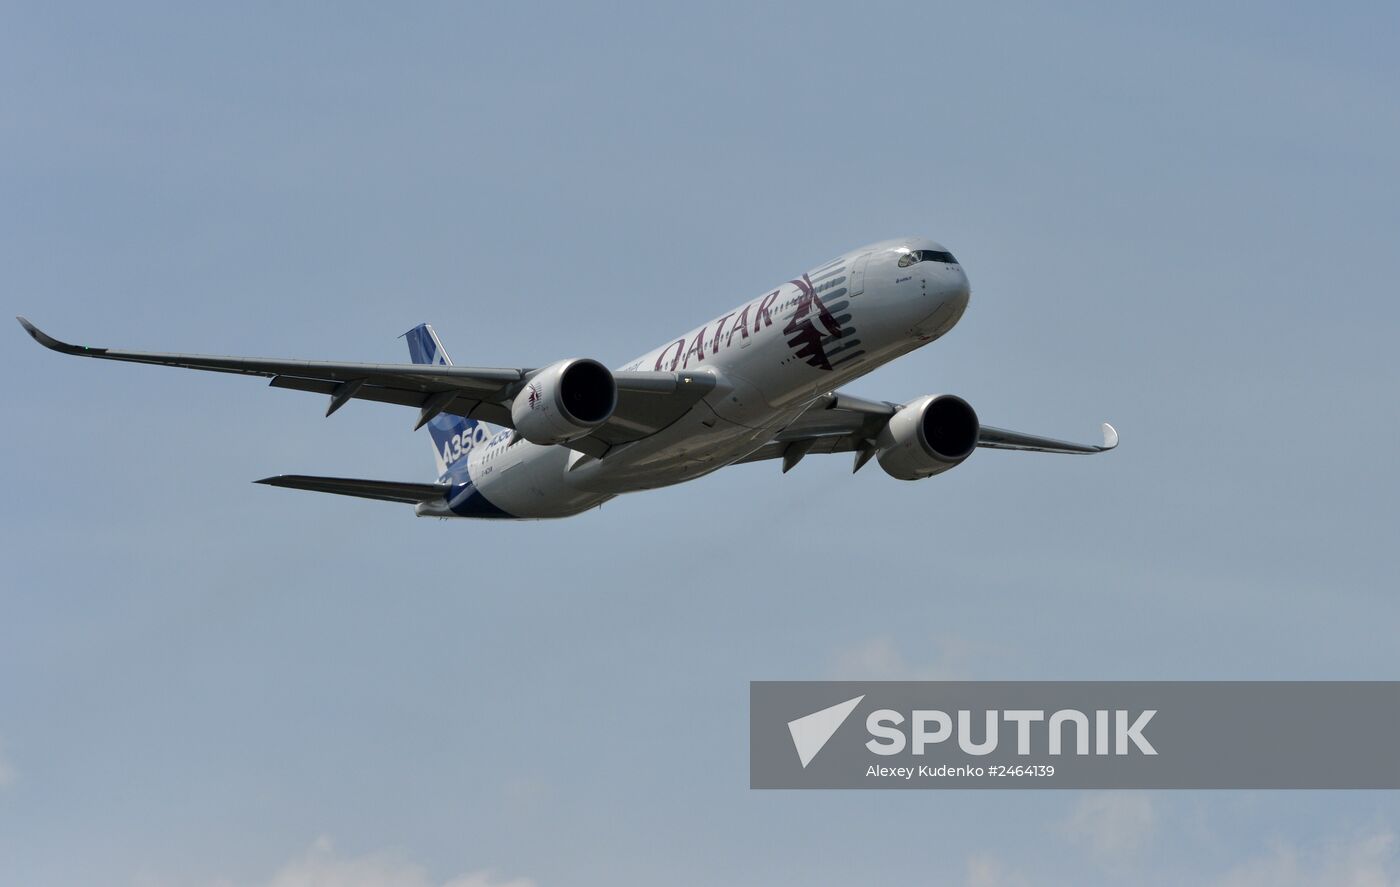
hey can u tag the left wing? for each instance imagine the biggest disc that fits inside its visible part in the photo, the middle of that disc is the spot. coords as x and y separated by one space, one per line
842 423
646 401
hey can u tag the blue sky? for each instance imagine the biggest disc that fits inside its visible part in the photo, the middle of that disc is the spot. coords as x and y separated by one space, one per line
1179 219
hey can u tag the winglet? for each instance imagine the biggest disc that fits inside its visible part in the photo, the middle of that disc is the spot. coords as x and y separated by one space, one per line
1110 437
51 343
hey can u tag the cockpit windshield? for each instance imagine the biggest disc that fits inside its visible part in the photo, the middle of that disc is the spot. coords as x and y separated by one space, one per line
926 255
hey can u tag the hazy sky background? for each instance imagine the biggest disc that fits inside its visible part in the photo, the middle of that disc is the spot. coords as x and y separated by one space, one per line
1180 219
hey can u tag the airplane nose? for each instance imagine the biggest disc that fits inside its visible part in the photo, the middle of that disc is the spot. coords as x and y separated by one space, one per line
951 293
947 288
959 290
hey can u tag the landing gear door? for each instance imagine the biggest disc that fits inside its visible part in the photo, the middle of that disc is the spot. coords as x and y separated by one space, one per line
857 285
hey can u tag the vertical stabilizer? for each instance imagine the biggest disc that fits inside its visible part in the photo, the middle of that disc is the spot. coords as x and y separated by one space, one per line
453 436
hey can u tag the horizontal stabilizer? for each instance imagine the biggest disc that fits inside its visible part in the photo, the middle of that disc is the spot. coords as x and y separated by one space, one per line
385 490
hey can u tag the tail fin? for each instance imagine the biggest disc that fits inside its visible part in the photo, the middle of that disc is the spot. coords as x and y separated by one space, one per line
453 436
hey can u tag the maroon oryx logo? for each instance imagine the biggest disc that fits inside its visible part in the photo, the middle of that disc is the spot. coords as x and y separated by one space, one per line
806 338
533 395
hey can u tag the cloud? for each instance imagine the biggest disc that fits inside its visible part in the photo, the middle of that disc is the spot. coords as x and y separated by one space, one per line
321 866
879 659
985 870
1366 861
1111 825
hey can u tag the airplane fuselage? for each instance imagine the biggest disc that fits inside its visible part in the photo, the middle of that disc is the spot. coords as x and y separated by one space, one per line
769 358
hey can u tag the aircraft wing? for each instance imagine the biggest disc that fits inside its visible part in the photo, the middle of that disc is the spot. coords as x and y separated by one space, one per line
646 401
843 423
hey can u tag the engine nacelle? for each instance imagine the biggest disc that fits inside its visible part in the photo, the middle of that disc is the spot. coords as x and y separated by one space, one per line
928 436
564 401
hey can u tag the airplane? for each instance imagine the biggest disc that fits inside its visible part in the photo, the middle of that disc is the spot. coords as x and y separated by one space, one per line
759 382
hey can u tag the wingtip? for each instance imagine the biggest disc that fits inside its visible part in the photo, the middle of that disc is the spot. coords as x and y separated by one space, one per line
50 342
1110 436
34 332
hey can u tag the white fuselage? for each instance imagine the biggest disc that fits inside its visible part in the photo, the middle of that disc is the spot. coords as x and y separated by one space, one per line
770 358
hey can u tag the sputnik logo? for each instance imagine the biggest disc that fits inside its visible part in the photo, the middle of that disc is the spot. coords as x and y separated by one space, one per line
806 338
811 732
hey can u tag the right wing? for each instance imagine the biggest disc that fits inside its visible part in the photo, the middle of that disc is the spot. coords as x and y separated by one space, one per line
1001 439
646 401
842 423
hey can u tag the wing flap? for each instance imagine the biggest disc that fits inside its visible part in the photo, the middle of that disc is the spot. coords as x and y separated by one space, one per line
465 404
829 443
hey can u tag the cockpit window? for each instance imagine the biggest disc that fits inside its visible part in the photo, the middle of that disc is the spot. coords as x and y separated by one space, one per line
926 255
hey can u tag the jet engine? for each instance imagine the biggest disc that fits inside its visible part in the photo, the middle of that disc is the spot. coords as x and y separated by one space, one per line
564 401
927 436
